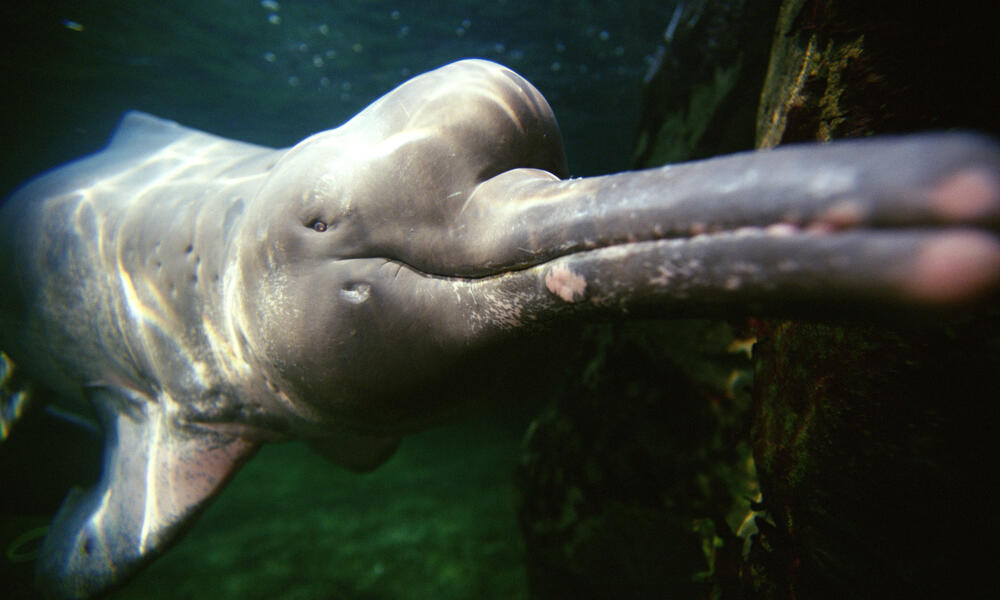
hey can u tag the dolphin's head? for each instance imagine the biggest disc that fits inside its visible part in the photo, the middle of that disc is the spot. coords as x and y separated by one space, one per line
385 265
355 223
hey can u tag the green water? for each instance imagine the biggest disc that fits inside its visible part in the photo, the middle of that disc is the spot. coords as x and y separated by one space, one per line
72 68
436 521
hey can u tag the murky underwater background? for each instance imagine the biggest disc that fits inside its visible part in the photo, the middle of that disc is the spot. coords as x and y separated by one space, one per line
438 520
272 73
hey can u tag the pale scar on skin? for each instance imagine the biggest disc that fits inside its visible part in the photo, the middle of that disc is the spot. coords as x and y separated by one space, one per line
566 284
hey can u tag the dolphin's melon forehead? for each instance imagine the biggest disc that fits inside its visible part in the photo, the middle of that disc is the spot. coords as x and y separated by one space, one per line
450 96
457 98
480 116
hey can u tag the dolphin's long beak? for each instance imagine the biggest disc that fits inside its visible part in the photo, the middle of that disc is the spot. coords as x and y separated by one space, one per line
803 229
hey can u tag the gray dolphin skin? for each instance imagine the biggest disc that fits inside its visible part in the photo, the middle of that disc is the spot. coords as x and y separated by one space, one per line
208 296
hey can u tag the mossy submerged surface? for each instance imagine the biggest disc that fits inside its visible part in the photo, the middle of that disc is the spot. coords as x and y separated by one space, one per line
436 521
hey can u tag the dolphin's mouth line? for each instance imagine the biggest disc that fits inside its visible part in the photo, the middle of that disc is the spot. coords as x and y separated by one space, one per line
580 251
944 264
775 233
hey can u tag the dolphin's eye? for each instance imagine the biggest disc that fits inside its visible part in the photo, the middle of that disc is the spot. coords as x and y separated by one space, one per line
318 225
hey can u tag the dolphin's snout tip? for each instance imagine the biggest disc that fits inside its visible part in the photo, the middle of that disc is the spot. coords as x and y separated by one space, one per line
955 267
971 194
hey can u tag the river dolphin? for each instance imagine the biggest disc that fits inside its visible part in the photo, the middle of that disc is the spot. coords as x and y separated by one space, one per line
208 296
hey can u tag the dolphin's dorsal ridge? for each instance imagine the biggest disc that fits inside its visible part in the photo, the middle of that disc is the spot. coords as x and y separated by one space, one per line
141 132
157 477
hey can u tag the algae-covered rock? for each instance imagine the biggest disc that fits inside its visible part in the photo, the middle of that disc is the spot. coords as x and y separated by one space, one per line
634 478
853 68
700 94
869 438
868 442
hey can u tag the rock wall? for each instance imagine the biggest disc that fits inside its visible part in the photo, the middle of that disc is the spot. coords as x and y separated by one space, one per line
868 440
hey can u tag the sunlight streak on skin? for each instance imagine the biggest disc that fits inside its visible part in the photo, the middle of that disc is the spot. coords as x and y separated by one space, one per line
229 356
151 320
134 308
394 142
234 322
100 513
170 167
142 299
150 513
492 97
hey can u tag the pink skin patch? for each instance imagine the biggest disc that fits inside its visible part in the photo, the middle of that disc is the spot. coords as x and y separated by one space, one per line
564 283
967 195
955 266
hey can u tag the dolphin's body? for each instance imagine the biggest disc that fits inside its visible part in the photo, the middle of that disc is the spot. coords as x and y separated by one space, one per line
208 295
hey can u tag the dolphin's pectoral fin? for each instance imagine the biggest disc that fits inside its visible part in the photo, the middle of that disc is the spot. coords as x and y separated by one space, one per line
356 452
157 477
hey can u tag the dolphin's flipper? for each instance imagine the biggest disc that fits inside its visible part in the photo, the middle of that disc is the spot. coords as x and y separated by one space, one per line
356 452
157 477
